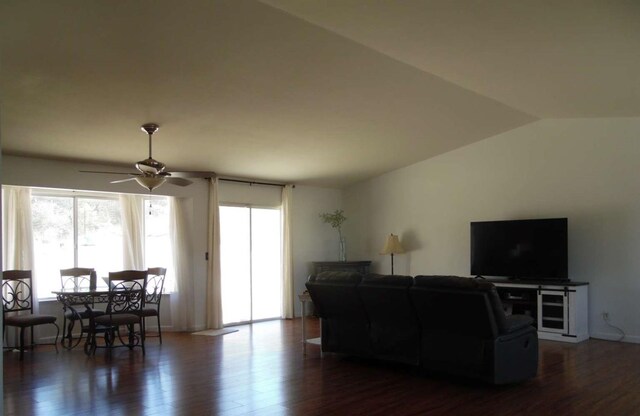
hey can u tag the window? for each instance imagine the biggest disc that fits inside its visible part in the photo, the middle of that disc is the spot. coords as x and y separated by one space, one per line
53 241
157 239
70 231
84 229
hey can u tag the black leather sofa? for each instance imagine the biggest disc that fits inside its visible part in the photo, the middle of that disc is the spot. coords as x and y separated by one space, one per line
443 324
394 330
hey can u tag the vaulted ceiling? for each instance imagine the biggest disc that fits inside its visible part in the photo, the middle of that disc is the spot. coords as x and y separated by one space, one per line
317 92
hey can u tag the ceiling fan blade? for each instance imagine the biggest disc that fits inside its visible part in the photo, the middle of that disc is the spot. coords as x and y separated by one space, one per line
107 173
192 174
178 181
124 180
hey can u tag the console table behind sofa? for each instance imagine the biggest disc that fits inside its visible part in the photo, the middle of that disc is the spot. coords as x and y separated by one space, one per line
361 267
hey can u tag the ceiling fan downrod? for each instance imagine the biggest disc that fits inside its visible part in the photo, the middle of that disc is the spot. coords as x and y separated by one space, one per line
150 128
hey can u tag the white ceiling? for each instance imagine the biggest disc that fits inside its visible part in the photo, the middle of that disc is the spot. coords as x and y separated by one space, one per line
316 92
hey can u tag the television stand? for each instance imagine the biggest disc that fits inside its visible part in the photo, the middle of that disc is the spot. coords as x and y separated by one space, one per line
560 309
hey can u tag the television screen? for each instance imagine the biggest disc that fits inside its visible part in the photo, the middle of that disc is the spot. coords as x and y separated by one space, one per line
520 249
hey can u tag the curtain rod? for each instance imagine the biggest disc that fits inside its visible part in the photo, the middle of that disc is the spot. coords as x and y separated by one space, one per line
281 185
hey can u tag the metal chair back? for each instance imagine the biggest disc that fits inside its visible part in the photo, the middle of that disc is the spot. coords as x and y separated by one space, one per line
17 291
78 278
155 285
127 291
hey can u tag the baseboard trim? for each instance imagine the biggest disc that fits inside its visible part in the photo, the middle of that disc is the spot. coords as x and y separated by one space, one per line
612 336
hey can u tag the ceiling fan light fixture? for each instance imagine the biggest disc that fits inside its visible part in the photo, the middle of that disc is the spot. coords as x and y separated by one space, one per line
151 166
150 182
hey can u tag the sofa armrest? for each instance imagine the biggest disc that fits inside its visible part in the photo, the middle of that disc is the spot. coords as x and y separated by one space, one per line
517 322
515 356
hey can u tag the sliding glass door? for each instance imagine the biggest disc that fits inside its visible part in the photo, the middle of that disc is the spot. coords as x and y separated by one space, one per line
251 263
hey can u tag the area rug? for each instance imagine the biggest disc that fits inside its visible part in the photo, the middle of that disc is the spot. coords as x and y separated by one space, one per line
215 332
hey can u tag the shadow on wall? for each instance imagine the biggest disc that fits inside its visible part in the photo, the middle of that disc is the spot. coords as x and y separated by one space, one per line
411 244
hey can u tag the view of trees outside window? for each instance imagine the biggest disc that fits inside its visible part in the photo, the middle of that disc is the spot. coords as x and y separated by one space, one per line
157 246
53 241
99 238
79 231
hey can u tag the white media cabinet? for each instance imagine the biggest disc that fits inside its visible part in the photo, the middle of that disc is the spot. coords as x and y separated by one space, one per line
560 310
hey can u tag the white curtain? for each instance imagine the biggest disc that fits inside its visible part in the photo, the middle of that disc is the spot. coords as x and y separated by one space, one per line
182 299
17 244
132 231
214 286
287 258
17 248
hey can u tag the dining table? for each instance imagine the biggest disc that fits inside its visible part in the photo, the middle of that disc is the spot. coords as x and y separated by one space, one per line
75 297
73 300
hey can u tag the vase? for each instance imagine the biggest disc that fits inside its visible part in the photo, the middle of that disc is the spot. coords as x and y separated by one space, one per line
342 254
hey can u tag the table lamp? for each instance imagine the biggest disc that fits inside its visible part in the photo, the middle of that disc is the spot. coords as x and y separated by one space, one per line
392 246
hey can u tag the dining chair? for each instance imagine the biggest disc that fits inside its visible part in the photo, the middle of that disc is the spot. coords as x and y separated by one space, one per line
74 280
153 297
126 301
17 307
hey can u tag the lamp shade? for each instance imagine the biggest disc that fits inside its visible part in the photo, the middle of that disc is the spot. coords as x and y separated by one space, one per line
392 246
150 182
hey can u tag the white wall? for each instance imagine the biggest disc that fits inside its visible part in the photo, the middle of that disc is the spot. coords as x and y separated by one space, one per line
585 169
313 240
311 237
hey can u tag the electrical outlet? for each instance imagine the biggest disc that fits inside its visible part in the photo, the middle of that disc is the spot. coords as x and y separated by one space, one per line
605 316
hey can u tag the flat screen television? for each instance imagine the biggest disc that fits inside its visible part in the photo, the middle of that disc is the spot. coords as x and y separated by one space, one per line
520 249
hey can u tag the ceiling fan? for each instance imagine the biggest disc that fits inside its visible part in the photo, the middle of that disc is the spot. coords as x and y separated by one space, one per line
151 173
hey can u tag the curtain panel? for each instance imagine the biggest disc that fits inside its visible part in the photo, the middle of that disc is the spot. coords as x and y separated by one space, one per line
287 257
214 287
182 299
131 211
17 245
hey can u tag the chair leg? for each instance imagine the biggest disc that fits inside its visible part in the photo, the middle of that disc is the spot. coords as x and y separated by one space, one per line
132 334
22 342
68 335
64 326
87 345
142 329
159 329
55 343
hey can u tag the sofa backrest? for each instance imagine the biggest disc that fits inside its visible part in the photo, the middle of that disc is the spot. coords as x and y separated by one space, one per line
394 327
386 298
334 294
451 304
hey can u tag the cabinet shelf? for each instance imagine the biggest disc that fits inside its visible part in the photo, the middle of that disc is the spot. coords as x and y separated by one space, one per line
559 310
545 318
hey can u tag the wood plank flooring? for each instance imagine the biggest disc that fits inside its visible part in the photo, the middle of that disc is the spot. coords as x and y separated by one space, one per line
260 370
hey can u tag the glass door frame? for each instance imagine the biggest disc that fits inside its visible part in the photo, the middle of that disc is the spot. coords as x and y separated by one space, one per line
250 207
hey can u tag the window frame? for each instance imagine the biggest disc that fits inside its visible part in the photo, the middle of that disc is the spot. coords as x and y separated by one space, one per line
169 282
79 194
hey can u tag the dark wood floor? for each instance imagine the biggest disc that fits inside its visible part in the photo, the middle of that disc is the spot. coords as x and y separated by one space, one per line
260 370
